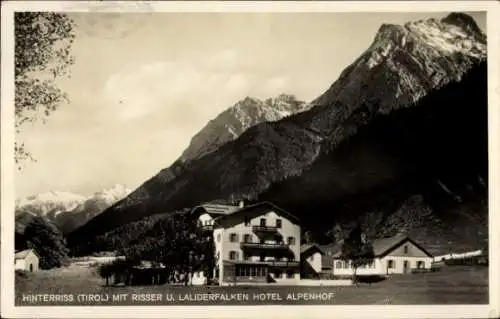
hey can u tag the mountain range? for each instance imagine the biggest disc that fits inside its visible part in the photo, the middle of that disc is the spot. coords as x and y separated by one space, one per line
67 211
406 120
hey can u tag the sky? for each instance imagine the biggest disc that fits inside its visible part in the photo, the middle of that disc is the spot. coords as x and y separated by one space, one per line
144 84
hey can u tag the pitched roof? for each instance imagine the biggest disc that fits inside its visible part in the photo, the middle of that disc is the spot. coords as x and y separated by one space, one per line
24 253
255 210
383 246
215 209
306 247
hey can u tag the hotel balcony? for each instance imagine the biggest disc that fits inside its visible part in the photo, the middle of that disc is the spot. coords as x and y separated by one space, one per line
264 229
274 246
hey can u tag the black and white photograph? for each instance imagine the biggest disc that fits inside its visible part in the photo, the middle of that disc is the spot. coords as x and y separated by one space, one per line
235 157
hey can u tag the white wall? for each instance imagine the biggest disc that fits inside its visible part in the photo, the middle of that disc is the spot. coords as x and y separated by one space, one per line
459 256
377 268
24 264
224 246
315 261
206 219
288 229
20 264
381 266
198 279
218 234
398 262
412 254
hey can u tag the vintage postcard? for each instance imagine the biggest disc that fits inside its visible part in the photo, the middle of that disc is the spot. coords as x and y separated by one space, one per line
249 159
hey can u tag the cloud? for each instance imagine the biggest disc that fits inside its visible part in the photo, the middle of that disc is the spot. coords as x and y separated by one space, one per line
203 86
136 91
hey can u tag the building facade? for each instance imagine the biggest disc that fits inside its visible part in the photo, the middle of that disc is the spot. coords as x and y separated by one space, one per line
311 257
254 244
27 260
394 255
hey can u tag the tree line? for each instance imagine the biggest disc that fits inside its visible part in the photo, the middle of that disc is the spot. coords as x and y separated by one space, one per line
176 246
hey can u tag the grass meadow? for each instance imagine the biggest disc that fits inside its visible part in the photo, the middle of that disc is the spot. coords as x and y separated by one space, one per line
451 285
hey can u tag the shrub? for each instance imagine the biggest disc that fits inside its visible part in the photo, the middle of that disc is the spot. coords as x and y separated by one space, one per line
21 273
369 279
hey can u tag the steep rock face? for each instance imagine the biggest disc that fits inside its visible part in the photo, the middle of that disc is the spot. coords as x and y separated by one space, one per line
226 127
231 123
367 142
403 64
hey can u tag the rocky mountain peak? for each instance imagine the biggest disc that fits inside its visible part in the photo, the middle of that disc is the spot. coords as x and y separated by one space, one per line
390 32
411 60
244 114
466 23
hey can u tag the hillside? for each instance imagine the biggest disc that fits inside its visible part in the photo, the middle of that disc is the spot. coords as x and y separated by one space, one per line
407 118
67 211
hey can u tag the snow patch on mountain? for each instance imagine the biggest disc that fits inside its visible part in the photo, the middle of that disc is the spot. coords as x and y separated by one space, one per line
68 210
406 62
231 123
48 202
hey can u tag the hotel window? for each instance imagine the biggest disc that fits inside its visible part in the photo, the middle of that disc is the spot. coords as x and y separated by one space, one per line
338 265
289 275
247 221
233 238
218 237
405 249
263 222
246 256
233 255
278 223
311 258
420 264
390 264
247 238
291 240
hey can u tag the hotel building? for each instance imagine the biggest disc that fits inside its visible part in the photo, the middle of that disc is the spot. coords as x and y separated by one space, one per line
253 244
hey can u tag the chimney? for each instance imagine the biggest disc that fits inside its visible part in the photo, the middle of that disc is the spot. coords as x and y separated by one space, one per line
241 204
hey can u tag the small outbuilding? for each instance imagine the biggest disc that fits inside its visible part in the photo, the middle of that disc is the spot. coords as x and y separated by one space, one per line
27 260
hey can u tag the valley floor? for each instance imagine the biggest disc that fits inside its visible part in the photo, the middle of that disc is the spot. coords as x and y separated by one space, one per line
452 285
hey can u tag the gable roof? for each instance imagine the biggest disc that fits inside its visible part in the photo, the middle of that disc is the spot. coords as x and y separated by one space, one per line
383 246
252 211
214 209
24 253
306 247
